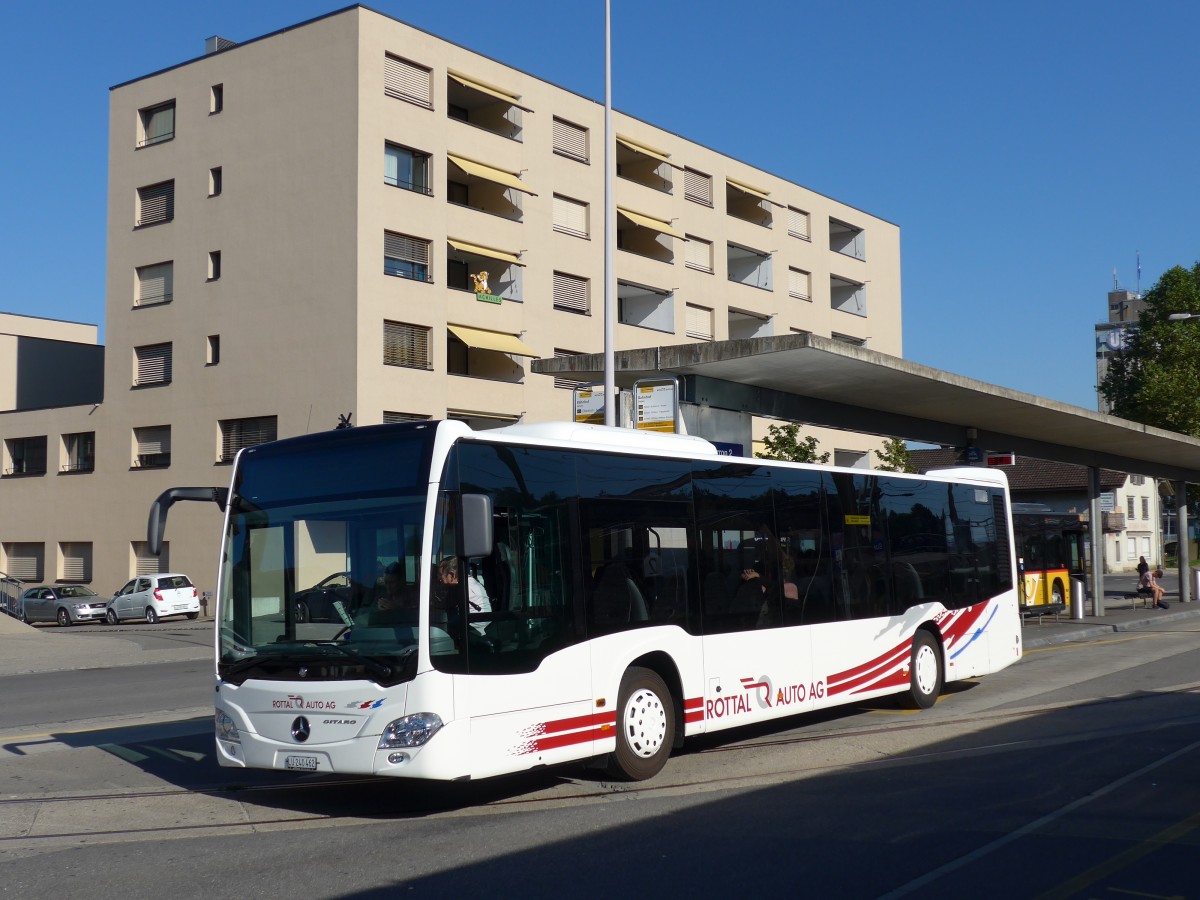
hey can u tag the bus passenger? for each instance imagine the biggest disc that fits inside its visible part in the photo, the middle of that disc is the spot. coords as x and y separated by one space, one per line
477 598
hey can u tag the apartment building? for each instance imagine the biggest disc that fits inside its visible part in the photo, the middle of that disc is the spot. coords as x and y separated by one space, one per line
352 218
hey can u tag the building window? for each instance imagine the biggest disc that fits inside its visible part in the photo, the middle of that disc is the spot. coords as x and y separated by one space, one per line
1146 508
239 433
405 345
214 181
799 284
697 187
750 267
155 284
1137 479
399 418
846 239
570 216
744 325
152 447
75 561
798 223
152 364
406 168
847 296
484 271
25 456
216 99
698 254
214 265
406 80
1129 507
485 106
145 563
24 560
79 452
570 140
748 203
213 351
156 203
156 124
405 257
571 293
699 322
561 381
644 164
645 307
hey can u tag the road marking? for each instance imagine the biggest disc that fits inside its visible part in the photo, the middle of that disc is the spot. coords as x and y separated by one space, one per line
963 861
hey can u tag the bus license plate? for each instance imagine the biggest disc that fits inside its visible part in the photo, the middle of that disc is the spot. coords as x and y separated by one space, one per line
300 762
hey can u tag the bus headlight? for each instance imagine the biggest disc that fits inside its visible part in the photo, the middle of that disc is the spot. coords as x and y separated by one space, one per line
411 731
226 730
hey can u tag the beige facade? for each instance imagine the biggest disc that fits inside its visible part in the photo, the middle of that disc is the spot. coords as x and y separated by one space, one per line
293 227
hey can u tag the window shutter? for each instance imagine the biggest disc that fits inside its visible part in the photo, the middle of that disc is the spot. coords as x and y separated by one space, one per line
399 418
410 249
561 381
697 254
570 292
407 81
145 564
155 283
697 186
76 560
570 140
156 203
24 561
405 345
570 216
699 323
155 440
239 433
797 222
799 284
153 364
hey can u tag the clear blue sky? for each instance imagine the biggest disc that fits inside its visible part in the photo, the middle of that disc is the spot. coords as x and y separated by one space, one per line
1025 149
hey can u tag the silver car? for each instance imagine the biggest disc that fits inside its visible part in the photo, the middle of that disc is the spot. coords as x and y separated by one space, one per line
66 604
152 597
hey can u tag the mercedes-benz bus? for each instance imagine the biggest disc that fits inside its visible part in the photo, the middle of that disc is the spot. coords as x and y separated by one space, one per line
427 601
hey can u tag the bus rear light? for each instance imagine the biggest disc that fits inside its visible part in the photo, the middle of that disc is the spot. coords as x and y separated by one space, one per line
411 731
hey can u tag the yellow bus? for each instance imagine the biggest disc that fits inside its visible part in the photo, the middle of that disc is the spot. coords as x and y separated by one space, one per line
1049 554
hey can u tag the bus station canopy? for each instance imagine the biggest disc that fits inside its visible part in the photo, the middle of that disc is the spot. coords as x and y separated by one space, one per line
828 383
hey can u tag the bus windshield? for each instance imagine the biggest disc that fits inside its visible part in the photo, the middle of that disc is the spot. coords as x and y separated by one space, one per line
322 562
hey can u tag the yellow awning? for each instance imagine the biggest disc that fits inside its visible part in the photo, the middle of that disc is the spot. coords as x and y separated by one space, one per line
649 222
747 189
491 340
485 251
489 173
496 92
660 155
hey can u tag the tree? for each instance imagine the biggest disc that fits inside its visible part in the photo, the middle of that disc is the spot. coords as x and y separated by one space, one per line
783 442
894 457
1153 380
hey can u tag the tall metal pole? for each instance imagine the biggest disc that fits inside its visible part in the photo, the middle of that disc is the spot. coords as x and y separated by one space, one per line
611 411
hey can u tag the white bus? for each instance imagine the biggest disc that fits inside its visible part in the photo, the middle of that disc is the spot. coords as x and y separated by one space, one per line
613 593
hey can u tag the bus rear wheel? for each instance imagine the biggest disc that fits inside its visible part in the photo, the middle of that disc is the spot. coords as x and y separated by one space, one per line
645 726
924 673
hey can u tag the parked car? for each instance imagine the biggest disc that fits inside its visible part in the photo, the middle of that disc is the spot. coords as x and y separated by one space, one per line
315 604
62 603
152 597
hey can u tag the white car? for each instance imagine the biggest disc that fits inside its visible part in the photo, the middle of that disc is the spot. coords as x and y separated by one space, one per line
152 597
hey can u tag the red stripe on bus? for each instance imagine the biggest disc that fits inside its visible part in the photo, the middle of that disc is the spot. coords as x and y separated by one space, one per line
574 737
844 681
576 722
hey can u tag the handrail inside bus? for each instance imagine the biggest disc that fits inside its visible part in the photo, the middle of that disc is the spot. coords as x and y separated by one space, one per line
156 526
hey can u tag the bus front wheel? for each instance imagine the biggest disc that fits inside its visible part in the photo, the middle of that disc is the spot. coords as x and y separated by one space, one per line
645 726
924 673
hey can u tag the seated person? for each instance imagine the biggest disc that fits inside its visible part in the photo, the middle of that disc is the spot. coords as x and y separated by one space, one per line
394 603
1148 583
477 598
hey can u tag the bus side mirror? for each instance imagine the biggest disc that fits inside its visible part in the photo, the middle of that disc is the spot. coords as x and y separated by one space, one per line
476 525
156 526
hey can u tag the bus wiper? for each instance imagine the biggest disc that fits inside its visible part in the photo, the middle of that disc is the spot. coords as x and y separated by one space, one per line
382 669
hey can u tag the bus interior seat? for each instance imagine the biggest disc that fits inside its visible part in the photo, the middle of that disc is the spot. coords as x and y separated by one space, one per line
617 598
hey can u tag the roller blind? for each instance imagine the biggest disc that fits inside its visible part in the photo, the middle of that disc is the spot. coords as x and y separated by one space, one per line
153 440
155 283
145 564
153 364
697 254
156 203
570 140
239 433
410 249
407 81
76 560
799 283
797 222
570 216
570 292
697 186
24 561
405 345
699 322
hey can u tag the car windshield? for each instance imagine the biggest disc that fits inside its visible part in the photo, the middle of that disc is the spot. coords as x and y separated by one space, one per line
296 519
75 590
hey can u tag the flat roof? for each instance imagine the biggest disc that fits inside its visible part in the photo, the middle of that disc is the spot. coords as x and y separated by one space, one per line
820 381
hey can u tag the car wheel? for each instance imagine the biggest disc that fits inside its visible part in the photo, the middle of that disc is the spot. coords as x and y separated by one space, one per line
64 618
302 611
192 615
21 617
111 617
151 615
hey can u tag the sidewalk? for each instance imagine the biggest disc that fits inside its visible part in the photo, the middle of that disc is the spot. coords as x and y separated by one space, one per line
1119 615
